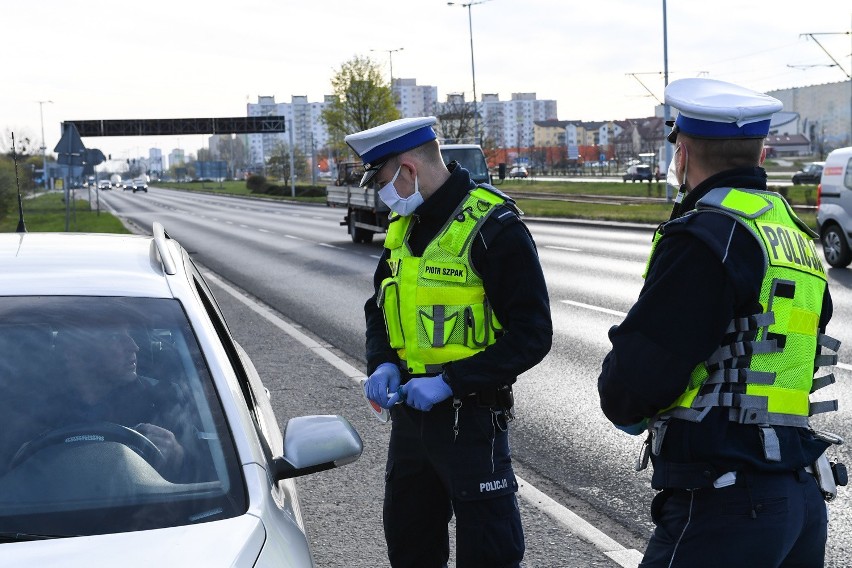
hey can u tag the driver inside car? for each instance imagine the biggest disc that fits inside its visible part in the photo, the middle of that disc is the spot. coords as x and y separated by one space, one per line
99 383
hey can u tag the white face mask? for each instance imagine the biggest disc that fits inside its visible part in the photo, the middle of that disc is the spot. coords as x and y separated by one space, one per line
671 173
402 205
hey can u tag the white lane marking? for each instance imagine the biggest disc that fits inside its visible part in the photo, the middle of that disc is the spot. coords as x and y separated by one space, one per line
845 366
624 557
596 308
264 230
563 248
627 558
377 257
244 226
326 245
292 237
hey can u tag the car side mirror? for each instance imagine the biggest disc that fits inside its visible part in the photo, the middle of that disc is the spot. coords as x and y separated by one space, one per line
316 443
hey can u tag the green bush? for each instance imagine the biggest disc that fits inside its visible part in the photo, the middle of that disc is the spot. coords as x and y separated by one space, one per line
256 184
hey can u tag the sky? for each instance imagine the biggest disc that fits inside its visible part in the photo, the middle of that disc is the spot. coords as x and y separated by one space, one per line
599 59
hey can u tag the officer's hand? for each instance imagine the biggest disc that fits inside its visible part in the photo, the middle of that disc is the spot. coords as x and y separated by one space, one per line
384 381
424 392
634 429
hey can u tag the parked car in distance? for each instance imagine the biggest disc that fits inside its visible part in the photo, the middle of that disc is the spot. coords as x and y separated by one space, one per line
636 173
810 173
518 172
102 338
140 185
104 184
834 208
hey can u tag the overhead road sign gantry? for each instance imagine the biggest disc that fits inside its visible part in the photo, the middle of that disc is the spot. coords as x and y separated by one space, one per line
180 126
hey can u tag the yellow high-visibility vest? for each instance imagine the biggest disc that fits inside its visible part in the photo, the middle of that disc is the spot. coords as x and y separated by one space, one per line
434 305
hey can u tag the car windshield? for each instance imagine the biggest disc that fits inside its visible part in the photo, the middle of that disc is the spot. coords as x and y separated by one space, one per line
470 159
109 418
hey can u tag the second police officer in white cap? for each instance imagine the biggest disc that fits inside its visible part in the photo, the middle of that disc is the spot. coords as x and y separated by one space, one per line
716 359
460 310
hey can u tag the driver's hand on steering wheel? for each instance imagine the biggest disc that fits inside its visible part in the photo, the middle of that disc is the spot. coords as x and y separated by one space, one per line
167 443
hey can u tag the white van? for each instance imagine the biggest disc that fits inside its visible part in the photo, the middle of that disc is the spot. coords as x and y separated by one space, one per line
834 208
471 158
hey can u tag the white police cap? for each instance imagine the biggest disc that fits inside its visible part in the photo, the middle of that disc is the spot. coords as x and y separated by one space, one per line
718 109
378 144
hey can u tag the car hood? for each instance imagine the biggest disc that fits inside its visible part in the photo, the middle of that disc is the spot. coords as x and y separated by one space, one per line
230 542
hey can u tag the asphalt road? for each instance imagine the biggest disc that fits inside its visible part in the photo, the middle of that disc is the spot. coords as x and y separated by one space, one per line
299 261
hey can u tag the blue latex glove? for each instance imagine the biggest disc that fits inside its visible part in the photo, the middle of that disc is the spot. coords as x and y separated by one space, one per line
634 429
383 382
424 392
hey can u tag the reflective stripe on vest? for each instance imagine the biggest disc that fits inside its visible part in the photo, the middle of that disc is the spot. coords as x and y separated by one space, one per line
435 306
765 374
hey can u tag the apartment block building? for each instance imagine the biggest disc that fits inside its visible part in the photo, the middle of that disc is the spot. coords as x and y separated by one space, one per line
413 100
825 113
506 124
303 121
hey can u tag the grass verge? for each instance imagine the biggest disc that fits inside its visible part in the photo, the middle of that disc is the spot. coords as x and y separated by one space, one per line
651 213
46 213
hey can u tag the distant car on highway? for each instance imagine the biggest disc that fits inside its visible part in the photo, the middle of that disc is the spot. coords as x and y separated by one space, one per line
811 173
518 172
636 173
104 184
140 185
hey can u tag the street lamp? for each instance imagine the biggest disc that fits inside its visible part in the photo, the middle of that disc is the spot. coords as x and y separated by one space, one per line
390 53
43 147
472 68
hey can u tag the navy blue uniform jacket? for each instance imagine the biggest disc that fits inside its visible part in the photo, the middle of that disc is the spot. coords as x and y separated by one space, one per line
697 282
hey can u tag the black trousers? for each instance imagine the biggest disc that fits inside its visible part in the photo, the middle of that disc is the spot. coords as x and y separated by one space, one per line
766 520
430 476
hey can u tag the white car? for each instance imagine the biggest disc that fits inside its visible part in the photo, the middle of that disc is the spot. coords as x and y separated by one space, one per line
166 451
834 208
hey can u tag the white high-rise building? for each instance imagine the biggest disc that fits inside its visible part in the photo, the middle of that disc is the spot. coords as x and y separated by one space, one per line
414 100
155 160
511 124
303 117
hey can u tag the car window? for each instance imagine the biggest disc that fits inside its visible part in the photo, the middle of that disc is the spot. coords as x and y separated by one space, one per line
470 159
110 419
847 178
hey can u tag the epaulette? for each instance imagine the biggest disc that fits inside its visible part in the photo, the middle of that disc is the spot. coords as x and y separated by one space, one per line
496 192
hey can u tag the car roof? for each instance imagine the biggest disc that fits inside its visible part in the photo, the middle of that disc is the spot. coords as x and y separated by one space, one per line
82 264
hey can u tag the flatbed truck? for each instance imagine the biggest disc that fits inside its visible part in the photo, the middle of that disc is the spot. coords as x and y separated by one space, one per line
366 214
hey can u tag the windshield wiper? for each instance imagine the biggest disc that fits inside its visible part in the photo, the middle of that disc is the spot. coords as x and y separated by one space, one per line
11 536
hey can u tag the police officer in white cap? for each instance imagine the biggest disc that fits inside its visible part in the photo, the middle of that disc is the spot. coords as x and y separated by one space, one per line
460 310
715 361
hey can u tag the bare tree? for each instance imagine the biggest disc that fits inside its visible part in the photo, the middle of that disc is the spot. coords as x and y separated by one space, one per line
455 120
